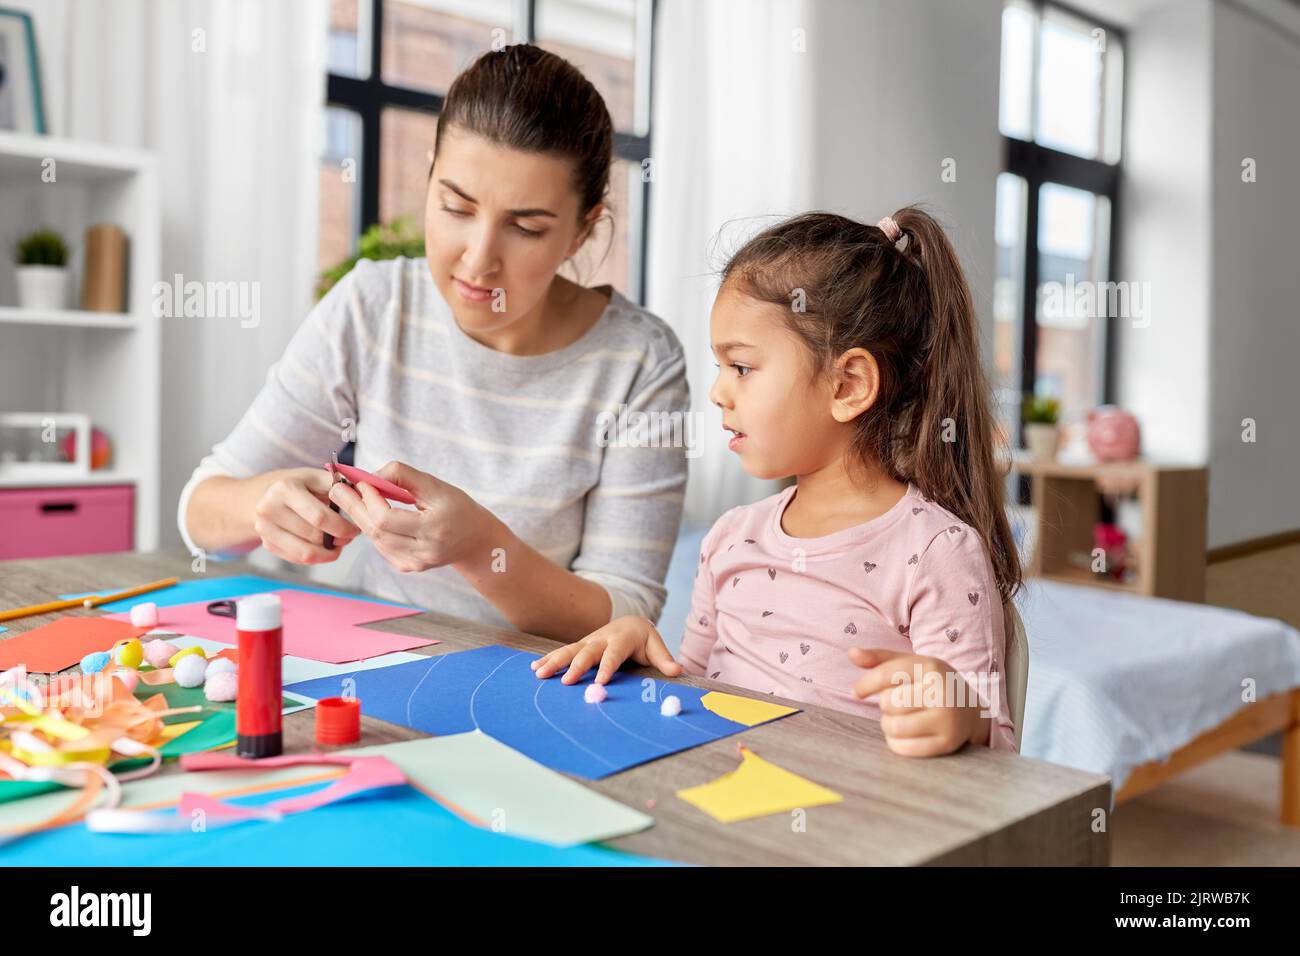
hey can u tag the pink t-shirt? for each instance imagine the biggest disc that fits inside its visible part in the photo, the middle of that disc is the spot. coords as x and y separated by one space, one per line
777 614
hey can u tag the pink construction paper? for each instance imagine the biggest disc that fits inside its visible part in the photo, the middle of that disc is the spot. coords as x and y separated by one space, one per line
322 627
218 760
386 488
367 773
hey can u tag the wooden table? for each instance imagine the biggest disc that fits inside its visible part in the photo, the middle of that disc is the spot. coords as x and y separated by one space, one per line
974 807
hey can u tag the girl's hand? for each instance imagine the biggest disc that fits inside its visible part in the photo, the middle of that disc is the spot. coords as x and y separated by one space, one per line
624 638
444 530
293 516
914 722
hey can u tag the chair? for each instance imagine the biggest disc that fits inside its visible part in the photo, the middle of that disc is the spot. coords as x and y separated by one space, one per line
1016 667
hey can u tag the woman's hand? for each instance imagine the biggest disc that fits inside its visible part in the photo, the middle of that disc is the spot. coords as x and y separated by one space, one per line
293 516
448 526
622 639
916 714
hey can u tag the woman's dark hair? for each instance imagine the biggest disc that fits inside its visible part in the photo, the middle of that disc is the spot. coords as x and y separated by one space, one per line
932 423
529 99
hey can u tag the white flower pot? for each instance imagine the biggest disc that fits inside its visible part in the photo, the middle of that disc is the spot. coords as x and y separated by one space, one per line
1041 440
42 287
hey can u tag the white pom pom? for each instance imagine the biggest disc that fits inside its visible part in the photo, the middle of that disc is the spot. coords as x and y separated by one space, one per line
220 665
671 706
594 694
190 670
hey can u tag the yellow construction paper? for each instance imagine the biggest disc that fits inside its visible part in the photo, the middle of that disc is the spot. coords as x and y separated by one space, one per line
744 710
175 730
756 789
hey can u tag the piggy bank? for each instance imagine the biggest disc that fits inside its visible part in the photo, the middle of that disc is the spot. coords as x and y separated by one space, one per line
1113 434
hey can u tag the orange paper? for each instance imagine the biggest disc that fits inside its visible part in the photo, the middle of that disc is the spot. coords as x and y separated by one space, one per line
63 643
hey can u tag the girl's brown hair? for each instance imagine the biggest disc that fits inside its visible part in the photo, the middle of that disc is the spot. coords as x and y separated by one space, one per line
908 304
529 99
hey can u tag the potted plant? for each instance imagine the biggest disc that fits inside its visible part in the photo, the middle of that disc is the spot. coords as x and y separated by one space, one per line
381 241
41 270
1041 432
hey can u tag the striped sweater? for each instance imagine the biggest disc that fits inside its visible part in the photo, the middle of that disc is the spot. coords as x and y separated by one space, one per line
535 439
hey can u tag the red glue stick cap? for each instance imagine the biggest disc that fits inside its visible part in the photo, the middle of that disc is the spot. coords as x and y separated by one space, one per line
338 720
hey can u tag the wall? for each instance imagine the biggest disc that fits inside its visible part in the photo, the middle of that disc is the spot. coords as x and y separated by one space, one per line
1255 333
1165 222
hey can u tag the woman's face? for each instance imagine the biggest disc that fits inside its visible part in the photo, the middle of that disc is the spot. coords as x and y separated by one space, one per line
498 224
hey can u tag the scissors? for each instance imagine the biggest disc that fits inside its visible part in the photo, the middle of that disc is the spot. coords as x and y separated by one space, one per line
222 608
338 476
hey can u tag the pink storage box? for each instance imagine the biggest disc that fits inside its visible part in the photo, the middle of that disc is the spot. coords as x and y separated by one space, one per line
48 522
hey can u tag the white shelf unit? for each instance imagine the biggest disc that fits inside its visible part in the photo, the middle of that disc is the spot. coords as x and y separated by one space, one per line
104 365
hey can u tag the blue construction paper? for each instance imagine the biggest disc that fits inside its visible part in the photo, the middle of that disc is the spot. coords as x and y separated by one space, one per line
494 690
395 826
218 589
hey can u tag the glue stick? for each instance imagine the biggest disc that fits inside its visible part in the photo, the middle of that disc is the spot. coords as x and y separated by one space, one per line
258 697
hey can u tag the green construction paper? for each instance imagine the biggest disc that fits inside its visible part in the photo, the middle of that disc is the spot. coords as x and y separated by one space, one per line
178 696
20 789
507 791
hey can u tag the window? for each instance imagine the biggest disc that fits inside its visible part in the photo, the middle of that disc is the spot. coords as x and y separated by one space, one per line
390 64
1060 117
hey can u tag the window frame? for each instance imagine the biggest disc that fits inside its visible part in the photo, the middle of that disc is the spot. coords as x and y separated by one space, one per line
1037 164
369 96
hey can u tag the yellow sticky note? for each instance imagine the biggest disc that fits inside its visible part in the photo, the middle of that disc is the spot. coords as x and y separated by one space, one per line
175 730
744 710
755 789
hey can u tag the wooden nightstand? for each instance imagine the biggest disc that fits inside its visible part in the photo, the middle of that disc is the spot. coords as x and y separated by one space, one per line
1174 500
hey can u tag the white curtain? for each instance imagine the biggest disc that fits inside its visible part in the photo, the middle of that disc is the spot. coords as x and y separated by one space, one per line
730 151
230 94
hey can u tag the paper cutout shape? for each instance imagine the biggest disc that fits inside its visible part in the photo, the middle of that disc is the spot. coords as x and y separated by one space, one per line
322 627
755 789
63 643
497 787
220 589
494 690
382 485
357 832
744 710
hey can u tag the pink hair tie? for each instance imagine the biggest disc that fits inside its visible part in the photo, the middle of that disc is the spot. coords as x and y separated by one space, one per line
889 228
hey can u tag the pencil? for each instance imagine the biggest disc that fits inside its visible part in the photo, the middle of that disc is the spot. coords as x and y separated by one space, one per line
86 601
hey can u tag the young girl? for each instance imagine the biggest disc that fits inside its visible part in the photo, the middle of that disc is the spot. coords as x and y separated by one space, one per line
850 359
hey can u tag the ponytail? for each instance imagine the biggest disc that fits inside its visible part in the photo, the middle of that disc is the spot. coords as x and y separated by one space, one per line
951 433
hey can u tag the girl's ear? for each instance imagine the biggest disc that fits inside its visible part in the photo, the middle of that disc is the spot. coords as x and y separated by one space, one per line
584 230
857 384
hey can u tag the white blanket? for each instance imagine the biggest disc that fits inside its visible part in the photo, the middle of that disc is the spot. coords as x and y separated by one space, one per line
1116 681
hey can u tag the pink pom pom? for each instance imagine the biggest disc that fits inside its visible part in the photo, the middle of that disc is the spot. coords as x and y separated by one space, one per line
594 694
144 615
128 676
158 653
221 686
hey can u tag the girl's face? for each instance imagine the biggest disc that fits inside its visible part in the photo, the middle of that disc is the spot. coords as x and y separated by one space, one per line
780 415
498 223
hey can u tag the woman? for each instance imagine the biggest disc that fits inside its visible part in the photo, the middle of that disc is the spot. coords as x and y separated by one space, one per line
481 377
